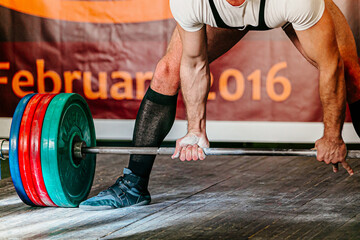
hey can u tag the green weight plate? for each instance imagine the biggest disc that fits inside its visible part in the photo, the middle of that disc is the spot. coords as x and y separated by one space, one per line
67 180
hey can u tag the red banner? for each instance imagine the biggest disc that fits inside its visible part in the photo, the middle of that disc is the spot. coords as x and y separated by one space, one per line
107 52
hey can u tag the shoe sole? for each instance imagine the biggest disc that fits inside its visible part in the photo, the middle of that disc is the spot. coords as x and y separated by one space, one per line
101 208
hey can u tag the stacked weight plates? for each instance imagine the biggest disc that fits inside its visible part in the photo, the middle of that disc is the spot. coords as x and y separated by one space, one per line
43 132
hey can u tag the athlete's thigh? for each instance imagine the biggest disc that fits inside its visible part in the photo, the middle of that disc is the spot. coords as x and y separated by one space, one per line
221 40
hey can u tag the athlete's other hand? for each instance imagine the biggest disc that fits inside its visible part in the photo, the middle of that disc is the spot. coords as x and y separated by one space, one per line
332 150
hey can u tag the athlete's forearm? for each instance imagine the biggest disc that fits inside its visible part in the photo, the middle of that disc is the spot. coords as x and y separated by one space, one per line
195 77
195 85
333 98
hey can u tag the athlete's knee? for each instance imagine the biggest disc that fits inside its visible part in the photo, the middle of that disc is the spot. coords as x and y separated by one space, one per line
350 57
351 65
166 68
352 76
167 76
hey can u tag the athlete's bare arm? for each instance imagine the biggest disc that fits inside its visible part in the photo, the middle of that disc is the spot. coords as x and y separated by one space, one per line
319 44
347 48
195 85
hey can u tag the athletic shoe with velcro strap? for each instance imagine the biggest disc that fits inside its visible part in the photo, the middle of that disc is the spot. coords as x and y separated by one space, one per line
129 190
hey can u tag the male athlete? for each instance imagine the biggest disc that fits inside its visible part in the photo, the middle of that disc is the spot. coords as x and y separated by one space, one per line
207 29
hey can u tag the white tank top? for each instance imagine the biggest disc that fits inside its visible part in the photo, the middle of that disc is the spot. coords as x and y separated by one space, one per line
191 15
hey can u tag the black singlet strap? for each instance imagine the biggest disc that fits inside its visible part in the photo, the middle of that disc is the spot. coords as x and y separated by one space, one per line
220 23
262 23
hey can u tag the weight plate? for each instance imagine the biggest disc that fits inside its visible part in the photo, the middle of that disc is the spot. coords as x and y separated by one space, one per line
35 151
13 149
24 149
67 180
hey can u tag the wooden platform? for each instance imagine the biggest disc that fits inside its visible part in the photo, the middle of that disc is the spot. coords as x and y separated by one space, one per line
221 197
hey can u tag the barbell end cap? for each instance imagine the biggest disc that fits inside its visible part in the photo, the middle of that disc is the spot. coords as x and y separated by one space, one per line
4 149
78 153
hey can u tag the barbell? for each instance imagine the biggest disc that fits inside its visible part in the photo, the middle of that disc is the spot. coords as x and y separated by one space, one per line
52 152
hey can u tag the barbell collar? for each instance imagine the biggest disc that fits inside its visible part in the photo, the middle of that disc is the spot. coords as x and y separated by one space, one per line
78 150
4 149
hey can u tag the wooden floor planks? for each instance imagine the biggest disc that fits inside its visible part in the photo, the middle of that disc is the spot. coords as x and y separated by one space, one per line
221 197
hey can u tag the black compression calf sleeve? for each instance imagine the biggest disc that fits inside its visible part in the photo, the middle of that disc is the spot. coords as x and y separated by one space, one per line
153 122
355 115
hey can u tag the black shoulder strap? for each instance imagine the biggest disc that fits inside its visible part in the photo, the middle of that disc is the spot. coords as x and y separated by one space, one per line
220 23
262 23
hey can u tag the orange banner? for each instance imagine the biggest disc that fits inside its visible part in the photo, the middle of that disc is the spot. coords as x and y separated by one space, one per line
106 11
107 52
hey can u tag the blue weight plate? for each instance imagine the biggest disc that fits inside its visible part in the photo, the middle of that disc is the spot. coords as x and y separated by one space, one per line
13 149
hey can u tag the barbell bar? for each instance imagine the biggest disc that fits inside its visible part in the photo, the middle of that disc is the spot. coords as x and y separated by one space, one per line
80 150
209 151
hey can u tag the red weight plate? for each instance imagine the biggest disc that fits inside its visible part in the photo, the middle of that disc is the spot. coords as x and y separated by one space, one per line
24 150
35 151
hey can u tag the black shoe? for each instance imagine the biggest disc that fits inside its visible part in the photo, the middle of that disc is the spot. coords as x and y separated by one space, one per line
129 190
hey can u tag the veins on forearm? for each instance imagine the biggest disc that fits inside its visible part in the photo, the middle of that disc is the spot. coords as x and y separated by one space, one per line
195 85
333 98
